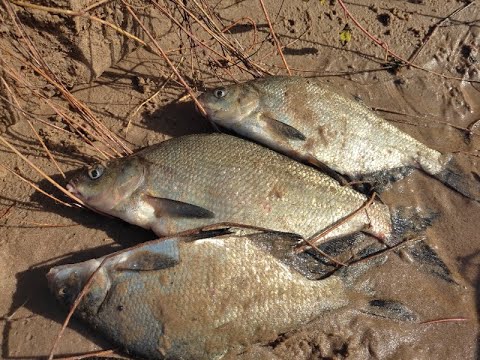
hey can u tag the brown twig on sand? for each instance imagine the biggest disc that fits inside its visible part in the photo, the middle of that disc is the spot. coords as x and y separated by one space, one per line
35 186
41 172
195 39
165 56
49 154
390 52
43 70
93 354
219 36
7 211
78 128
277 42
137 109
36 225
444 320
54 10
468 130
434 28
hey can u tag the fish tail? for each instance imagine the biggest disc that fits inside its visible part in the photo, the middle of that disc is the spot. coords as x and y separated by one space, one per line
409 222
455 178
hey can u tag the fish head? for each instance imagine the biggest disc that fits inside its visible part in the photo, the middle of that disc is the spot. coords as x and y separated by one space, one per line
230 104
104 186
67 281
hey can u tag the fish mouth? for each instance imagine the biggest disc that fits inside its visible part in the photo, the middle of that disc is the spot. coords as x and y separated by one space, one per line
203 104
52 278
72 189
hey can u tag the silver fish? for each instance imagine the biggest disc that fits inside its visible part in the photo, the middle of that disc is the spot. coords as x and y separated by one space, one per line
309 121
197 180
184 299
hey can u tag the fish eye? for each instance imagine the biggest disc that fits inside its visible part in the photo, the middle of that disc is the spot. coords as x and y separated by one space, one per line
219 93
95 172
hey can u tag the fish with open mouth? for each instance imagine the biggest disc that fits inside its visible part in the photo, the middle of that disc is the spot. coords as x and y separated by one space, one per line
193 181
310 121
191 298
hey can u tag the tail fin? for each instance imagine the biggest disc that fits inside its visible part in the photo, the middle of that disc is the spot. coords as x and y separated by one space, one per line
455 178
408 222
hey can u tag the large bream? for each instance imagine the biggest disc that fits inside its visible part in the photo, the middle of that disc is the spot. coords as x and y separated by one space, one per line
310 121
197 180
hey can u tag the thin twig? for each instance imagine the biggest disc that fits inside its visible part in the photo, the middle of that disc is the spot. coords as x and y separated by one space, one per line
41 172
93 354
49 154
169 62
386 250
279 48
433 29
437 321
316 238
384 46
323 253
137 109
7 210
80 13
35 186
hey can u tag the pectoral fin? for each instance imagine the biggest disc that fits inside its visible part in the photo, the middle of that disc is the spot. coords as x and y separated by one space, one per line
157 255
280 128
177 209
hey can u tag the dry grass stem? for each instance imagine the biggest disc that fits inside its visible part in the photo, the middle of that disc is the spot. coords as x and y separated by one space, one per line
390 52
53 10
316 238
277 42
93 354
169 62
433 29
32 184
445 320
33 129
41 172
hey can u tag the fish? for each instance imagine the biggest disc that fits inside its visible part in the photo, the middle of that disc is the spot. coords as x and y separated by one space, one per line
199 180
202 296
312 122
180 298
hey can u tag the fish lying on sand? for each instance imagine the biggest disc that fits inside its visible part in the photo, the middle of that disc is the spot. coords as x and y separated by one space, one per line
194 299
309 121
185 299
193 181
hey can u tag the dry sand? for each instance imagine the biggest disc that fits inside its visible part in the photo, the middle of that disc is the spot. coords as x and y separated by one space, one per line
37 233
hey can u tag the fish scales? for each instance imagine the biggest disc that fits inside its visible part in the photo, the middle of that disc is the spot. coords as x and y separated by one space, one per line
217 294
308 120
231 179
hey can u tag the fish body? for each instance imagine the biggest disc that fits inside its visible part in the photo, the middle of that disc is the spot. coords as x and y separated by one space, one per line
184 299
198 180
310 121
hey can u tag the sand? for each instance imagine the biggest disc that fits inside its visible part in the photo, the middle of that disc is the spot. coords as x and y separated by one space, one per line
37 233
